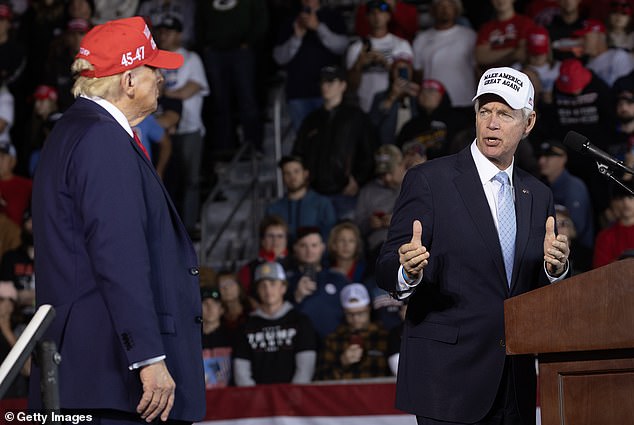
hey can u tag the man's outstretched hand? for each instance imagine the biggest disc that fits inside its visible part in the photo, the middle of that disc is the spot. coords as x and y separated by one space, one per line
556 249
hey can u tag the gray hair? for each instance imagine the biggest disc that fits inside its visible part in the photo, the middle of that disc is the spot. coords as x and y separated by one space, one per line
526 112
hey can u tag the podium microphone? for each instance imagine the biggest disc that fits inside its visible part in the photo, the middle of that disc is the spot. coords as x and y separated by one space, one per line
581 144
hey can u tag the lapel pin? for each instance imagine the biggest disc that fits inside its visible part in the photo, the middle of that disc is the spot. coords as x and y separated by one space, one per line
525 191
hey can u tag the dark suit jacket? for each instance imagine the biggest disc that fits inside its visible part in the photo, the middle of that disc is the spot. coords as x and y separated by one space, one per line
115 261
452 354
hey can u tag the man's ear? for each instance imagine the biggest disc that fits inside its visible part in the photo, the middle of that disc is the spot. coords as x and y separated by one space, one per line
127 82
530 123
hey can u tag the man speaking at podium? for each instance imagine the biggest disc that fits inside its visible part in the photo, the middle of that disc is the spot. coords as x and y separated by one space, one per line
469 231
114 259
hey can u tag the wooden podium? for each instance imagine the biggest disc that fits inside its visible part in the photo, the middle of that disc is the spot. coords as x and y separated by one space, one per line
582 330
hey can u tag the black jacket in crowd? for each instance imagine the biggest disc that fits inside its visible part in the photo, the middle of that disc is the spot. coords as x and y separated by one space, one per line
336 144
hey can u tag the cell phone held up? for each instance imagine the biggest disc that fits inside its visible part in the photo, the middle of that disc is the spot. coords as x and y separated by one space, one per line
403 73
310 272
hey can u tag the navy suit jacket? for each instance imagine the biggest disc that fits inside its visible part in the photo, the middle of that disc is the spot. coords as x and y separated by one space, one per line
116 263
452 354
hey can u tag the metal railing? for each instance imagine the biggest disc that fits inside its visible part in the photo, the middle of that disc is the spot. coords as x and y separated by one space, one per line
211 237
47 357
209 241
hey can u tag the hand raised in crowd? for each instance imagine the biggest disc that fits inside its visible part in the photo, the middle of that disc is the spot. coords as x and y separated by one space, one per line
299 28
309 20
402 88
352 188
352 354
305 287
413 256
158 392
556 249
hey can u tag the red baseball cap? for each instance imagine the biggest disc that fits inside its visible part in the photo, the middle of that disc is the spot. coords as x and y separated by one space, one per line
573 76
434 85
121 45
590 25
537 40
45 92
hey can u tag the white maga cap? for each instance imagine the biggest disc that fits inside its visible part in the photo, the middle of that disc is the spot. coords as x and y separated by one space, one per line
510 84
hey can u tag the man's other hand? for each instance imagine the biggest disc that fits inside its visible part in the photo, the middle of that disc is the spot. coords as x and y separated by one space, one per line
158 392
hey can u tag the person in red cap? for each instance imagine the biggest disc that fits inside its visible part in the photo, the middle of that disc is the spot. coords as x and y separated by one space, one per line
608 63
540 63
115 261
582 102
45 115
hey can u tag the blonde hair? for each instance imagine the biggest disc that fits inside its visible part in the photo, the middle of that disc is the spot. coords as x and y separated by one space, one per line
104 87
334 234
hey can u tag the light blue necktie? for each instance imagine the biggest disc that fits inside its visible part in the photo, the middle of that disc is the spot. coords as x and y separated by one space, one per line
506 222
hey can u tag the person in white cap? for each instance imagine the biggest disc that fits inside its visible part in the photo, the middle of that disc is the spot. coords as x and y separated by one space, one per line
358 348
114 259
470 230
278 343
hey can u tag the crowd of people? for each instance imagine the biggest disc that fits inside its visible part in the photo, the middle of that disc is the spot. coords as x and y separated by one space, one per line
368 98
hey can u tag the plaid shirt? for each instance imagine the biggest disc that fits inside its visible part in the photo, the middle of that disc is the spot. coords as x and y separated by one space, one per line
373 362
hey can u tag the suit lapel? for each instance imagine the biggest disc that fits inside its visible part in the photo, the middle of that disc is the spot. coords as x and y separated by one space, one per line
523 208
469 187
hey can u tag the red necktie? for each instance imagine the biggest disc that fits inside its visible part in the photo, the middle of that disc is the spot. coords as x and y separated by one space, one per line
140 145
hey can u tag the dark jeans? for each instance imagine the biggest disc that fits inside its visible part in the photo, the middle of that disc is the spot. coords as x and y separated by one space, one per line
231 76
